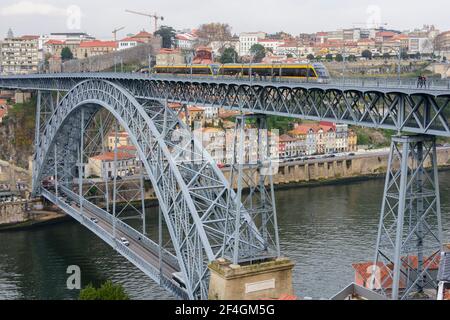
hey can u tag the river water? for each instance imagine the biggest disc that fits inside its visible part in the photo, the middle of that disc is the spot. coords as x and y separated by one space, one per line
322 229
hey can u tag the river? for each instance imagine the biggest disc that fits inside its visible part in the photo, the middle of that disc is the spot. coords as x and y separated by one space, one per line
323 230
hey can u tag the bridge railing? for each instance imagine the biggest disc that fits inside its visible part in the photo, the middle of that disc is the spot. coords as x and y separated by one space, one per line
167 256
389 83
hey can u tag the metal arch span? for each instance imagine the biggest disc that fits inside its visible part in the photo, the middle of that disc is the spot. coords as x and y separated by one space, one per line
192 194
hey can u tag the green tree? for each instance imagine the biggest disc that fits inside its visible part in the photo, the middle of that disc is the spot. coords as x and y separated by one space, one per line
258 52
329 57
229 55
367 54
444 59
386 56
351 58
404 54
168 36
66 54
339 57
107 291
319 58
310 57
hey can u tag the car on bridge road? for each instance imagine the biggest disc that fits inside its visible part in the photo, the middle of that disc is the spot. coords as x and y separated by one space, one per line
94 220
125 242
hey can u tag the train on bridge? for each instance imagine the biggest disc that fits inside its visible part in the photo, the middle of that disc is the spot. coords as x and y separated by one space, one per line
304 71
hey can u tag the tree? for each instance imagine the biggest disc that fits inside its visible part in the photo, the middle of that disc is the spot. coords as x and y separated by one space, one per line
339 57
319 57
444 59
168 36
258 52
404 54
329 57
107 291
310 57
210 32
229 55
386 55
351 58
66 54
367 54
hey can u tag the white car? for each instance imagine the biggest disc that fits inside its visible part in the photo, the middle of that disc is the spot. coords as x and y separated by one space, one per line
124 241
94 220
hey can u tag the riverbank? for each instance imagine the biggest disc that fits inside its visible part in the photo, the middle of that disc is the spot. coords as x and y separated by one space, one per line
37 219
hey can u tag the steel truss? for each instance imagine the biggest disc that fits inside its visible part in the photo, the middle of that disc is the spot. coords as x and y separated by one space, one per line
193 193
407 110
410 232
255 176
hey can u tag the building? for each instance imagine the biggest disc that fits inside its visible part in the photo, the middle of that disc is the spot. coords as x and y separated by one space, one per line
186 41
102 166
67 37
128 43
421 45
213 140
247 40
442 43
271 44
325 138
167 57
123 140
20 55
3 111
290 147
143 36
95 48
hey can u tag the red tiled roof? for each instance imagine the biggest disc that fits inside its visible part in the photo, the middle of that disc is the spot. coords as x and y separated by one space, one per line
287 138
131 39
29 37
385 34
98 44
127 148
143 34
109 156
50 42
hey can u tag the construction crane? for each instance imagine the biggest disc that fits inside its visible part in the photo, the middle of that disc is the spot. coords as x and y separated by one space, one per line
115 32
151 16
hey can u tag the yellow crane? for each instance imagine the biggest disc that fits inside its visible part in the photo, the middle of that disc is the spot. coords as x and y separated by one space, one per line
115 32
151 16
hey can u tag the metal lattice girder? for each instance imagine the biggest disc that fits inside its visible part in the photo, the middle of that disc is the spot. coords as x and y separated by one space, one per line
410 232
191 190
255 175
411 110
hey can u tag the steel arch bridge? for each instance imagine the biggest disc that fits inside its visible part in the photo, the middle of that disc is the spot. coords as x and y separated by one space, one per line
193 195
205 218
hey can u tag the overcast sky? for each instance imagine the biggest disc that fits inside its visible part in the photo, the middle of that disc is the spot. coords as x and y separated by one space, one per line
100 17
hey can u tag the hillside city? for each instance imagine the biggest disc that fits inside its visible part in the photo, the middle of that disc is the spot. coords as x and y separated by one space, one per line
357 51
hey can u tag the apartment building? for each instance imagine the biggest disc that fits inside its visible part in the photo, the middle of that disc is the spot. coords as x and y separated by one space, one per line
20 55
247 40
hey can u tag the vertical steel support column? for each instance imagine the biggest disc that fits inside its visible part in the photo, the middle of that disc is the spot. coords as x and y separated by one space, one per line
400 221
410 231
56 170
37 142
115 179
81 173
103 169
240 128
259 202
144 227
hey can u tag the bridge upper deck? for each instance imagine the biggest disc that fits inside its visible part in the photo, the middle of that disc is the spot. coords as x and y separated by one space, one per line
376 103
60 81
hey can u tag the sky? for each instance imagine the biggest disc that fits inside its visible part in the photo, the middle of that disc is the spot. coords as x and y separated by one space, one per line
100 17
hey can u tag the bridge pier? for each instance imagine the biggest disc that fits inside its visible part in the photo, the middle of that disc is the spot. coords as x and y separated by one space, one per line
270 279
410 231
